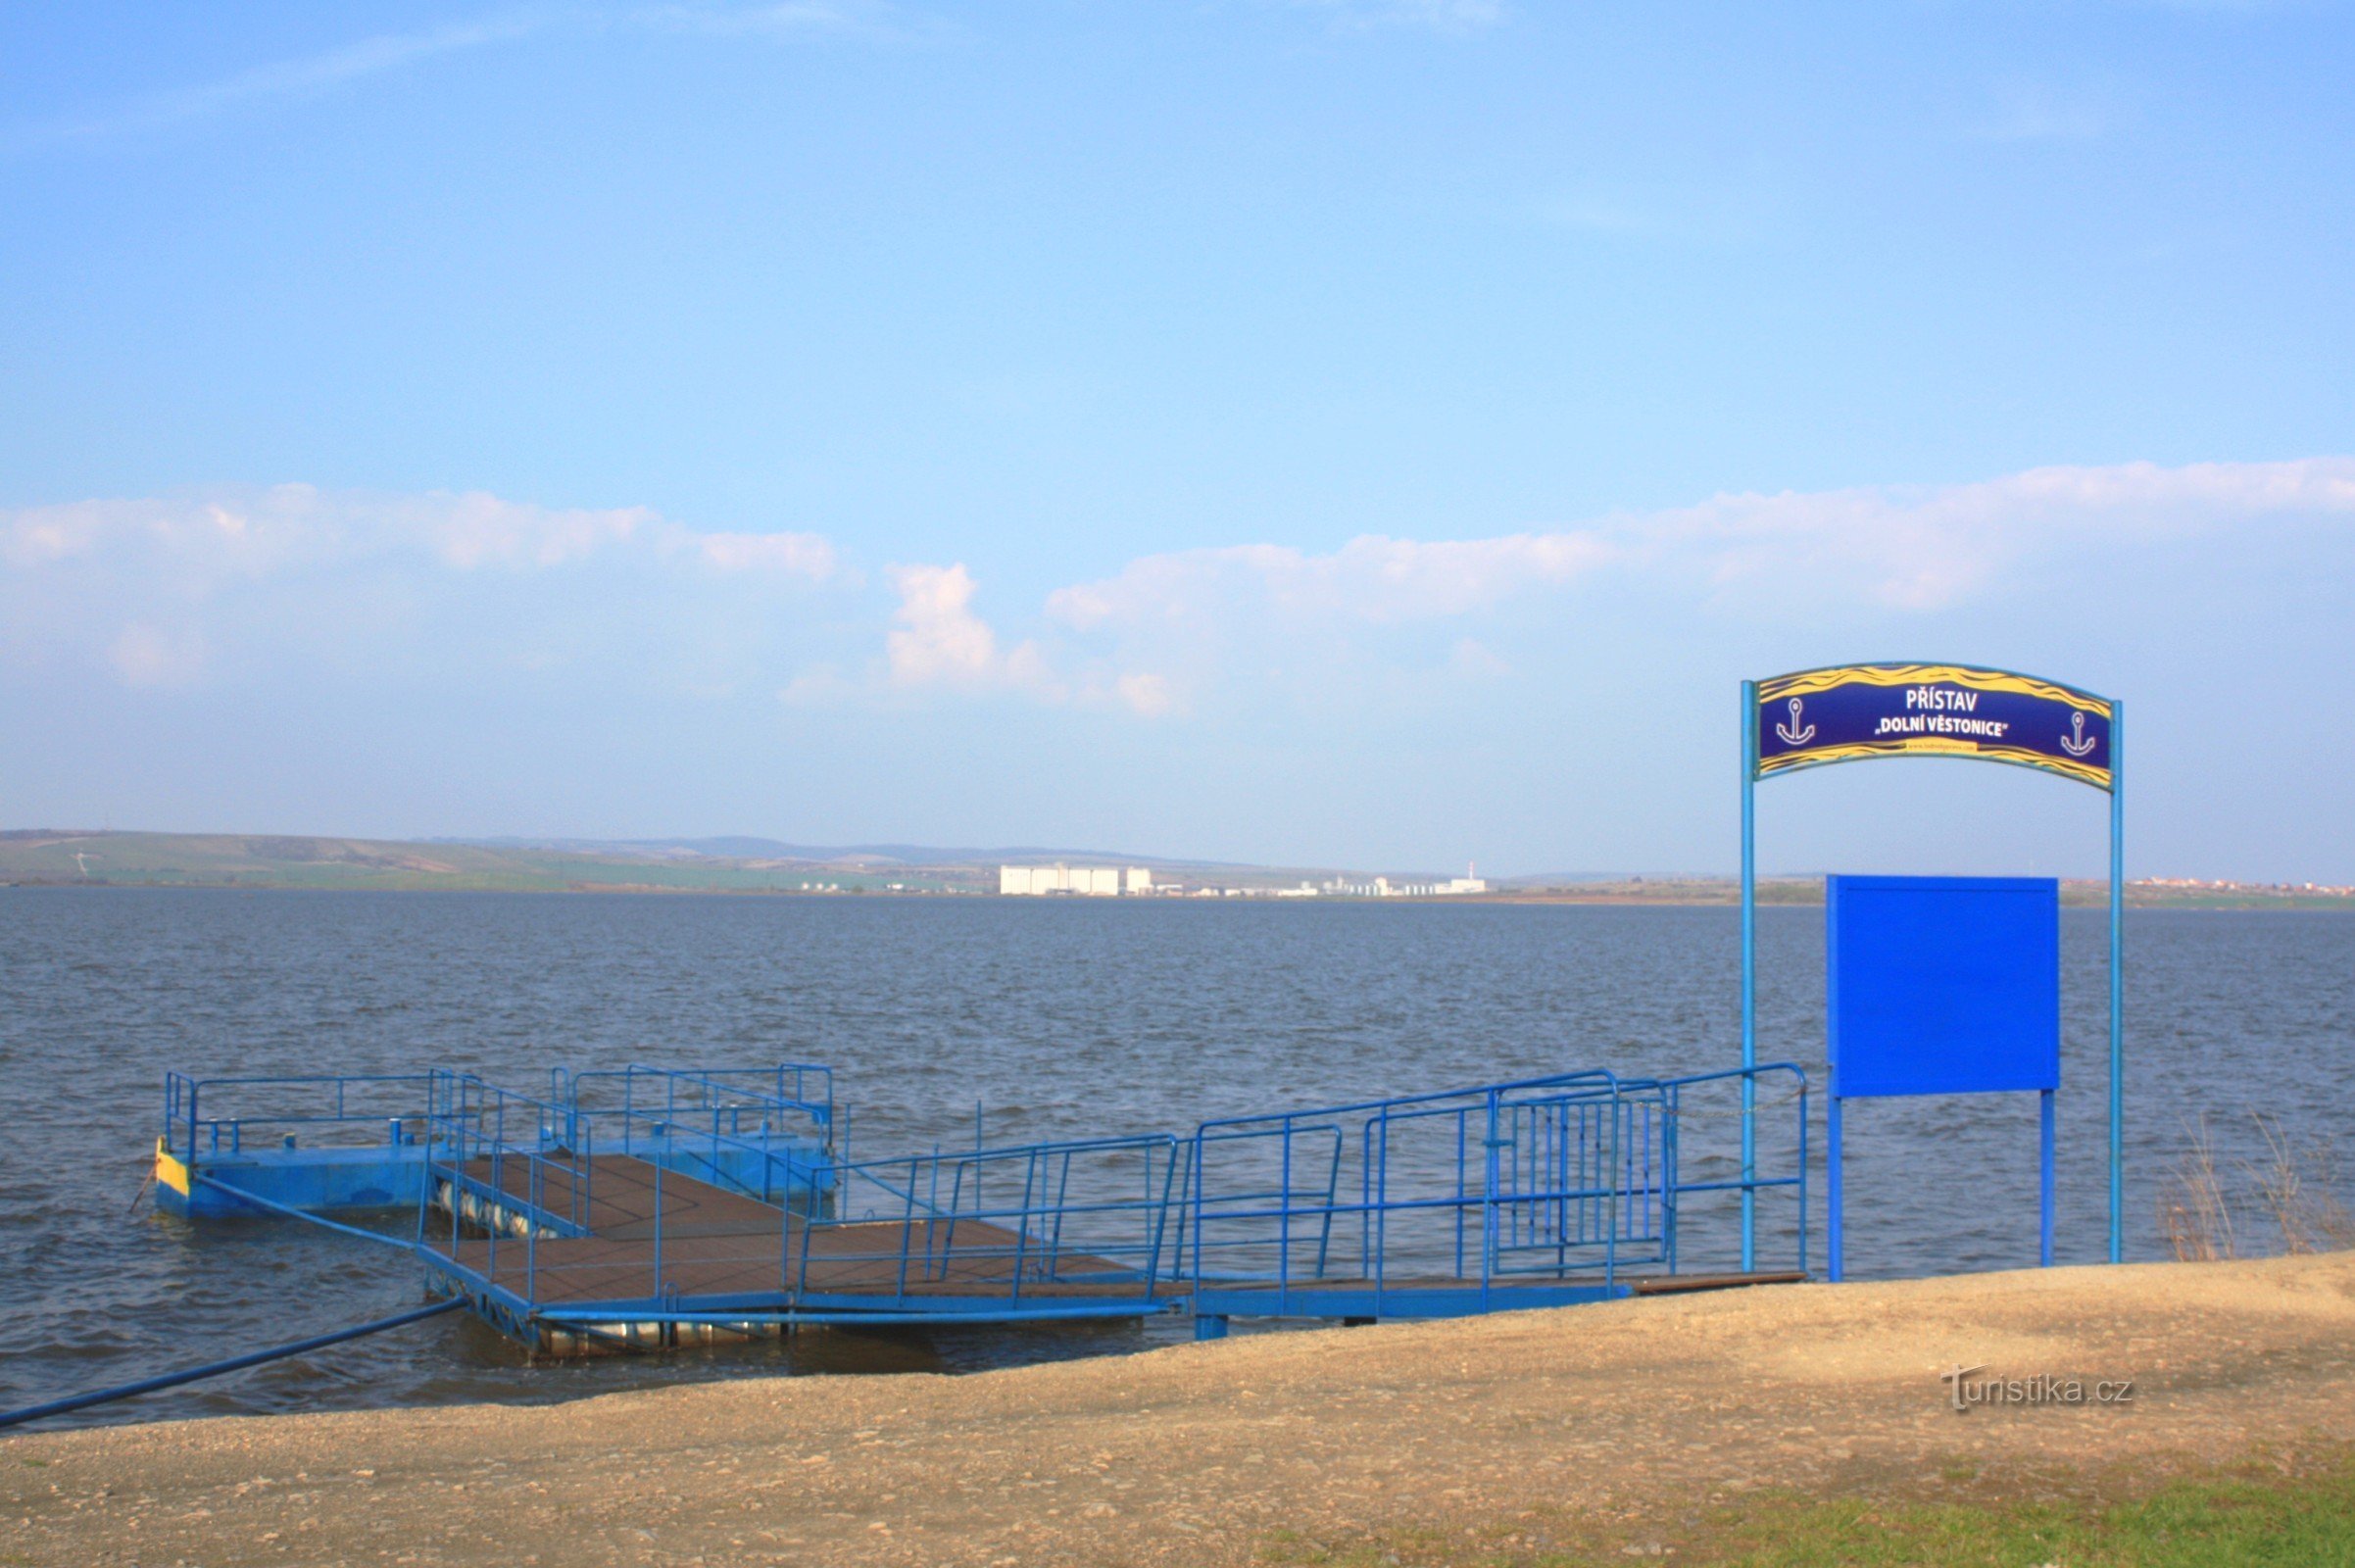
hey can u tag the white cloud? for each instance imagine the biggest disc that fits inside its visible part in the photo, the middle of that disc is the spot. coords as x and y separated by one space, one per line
1372 577
940 641
737 21
805 554
302 77
249 533
474 530
1905 548
166 591
1925 548
1144 694
1215 624
1167 628
255 567
310 75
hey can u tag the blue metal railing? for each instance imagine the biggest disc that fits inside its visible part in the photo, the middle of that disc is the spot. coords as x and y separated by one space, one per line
518 1167
1008 1224
728 1097
1266 1188
1691 1113
197 1122
470 1122
1576 1181
1568 1178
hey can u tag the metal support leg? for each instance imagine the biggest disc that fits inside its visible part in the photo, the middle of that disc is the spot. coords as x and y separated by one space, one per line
2044 1169
1835 1256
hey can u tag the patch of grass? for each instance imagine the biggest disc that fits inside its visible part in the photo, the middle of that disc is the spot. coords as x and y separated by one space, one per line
2246 1516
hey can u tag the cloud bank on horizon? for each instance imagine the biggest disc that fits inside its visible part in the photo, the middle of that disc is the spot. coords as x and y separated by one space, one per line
223 586
1576 662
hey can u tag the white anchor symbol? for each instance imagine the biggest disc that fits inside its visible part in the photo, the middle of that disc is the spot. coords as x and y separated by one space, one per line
2076 743
1794 735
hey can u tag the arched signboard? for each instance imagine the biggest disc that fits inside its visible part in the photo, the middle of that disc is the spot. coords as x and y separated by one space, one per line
1854 713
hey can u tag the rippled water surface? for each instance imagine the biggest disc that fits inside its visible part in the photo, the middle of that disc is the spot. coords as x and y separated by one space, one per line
1059 1018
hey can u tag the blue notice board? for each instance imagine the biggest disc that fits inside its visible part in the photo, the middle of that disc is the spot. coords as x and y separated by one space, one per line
1943 985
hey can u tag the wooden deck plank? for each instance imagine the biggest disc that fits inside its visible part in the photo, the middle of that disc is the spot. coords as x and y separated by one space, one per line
718 1243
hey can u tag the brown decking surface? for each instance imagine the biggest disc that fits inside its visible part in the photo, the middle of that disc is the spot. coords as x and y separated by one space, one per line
1641 1284
715 1242
1678 1284
718 1243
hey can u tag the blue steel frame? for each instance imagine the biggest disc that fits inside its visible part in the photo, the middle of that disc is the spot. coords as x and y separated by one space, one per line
2117 908
1543 1190
1018 1244
1537 1185
942 1226
783 1088
188 1133
1835 1214
470 1119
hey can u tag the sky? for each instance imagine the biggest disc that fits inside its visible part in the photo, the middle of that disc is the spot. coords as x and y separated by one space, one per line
1377 433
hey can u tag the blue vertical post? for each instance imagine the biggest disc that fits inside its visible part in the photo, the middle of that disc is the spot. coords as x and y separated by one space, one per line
2117 981
1750 977
2044 1180
1835 1256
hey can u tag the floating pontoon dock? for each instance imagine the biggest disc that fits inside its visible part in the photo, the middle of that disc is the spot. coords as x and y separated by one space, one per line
647 1205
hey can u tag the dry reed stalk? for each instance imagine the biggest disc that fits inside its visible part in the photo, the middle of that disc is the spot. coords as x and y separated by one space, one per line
2297 1183
2193 1207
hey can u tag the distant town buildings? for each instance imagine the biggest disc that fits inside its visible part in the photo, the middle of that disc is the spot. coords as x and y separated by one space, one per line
2193 884
1087 881
1383 887
1110 881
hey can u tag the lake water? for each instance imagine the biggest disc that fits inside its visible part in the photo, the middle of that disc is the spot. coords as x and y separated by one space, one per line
1060 1018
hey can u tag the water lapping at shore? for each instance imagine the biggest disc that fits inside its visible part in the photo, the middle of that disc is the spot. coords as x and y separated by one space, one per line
1058 1018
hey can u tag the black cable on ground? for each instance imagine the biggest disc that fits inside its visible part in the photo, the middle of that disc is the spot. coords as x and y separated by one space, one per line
169 1380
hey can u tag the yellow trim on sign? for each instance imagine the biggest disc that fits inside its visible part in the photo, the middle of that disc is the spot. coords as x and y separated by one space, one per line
1934 745
169 1170
1808 681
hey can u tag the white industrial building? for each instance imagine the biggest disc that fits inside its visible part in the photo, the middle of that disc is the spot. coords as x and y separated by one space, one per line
1088 881
1383 887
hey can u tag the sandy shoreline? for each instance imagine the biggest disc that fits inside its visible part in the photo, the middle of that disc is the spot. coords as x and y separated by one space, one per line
1622 1413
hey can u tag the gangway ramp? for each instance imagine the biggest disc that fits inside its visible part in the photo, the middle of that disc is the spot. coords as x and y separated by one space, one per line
560 1221
649 1206
1544 1192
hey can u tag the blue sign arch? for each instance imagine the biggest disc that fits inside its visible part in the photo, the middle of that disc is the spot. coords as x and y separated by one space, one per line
1856 712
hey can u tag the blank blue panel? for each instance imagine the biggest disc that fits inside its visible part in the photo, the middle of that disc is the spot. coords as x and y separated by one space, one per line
1943 985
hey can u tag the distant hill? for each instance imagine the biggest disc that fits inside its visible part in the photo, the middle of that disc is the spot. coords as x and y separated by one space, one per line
53 857
71 858
739 848
61 857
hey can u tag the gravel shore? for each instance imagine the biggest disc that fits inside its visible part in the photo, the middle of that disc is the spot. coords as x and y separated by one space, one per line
1617 1415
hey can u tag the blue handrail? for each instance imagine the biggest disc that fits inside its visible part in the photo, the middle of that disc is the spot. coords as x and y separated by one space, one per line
1530 1181
326 1098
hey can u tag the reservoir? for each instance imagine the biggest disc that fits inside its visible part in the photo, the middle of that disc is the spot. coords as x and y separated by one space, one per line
1060 1018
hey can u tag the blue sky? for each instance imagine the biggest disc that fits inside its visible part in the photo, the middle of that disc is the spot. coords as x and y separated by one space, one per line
1369 434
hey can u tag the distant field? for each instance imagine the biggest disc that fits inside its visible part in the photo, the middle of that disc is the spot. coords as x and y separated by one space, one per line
1810 891
220 860
56 859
